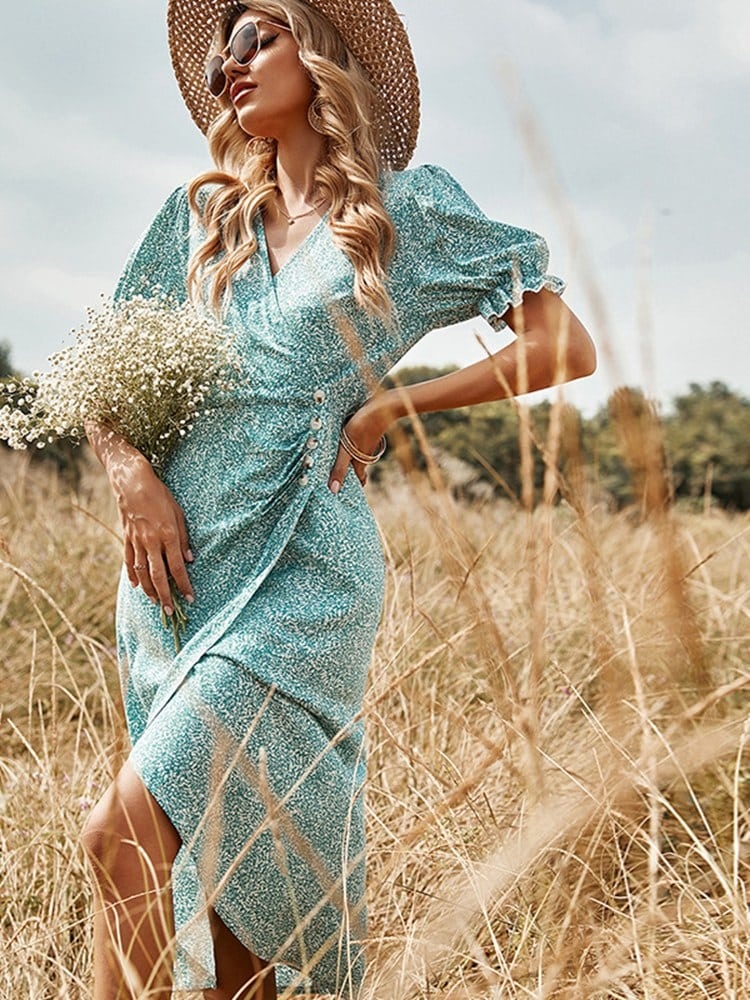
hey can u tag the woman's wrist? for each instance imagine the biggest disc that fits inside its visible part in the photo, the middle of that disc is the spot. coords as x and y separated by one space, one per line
117 455
388 407
125 466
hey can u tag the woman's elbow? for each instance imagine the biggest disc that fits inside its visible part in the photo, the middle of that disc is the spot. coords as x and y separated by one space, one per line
570 351
581 353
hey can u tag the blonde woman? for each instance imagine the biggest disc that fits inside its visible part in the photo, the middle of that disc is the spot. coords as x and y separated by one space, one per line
230 847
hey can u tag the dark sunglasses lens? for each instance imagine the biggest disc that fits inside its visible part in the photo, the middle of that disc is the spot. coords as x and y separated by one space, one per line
244 44
215 76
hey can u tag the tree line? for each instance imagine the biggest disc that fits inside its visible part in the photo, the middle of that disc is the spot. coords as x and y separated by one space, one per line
627 453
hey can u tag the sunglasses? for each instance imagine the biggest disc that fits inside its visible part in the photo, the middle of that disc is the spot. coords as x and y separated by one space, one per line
244 45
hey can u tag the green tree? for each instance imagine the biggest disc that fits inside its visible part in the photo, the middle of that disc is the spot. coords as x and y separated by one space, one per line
625 446
708 442
486 439
6 368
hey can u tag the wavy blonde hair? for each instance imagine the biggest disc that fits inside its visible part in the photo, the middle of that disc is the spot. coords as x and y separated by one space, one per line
347 176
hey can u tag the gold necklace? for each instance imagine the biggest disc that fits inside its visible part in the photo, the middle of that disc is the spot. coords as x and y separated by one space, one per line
291 219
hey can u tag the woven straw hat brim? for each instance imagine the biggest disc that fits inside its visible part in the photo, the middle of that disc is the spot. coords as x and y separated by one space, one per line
373 33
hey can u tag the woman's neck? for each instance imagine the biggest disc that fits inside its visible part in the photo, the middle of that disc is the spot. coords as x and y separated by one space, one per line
297 159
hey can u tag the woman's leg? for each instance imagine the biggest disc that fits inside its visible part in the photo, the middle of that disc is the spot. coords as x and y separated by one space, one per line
239 973
131 845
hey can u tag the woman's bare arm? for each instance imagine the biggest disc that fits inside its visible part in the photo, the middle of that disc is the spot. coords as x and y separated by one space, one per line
554 348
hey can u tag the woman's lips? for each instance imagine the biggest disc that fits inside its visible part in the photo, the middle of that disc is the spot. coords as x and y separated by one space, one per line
240 89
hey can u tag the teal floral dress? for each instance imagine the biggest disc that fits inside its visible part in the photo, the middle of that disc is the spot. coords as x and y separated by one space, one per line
251 738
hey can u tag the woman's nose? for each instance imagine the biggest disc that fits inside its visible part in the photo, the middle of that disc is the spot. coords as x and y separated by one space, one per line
231 67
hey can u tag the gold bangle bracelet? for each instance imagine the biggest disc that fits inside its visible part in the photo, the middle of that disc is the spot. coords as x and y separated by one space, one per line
359 456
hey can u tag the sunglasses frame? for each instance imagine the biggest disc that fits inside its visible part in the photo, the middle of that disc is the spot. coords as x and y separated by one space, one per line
226 52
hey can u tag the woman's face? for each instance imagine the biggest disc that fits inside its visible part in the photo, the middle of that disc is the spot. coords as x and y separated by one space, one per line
272 94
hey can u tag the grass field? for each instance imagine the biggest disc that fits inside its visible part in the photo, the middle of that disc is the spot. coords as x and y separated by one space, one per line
558 794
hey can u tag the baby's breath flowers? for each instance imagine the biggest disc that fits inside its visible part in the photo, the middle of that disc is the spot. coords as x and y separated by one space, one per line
146 367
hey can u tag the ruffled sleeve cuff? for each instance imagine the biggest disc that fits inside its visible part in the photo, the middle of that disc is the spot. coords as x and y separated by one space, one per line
494 305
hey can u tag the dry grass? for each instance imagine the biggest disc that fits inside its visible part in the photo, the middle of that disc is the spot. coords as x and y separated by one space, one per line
556 730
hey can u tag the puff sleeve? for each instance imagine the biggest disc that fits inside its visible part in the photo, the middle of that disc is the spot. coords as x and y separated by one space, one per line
159 262
466 264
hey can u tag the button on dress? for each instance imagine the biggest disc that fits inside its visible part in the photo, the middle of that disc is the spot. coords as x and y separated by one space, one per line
250 738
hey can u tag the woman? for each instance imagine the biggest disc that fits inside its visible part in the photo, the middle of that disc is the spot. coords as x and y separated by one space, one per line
240 808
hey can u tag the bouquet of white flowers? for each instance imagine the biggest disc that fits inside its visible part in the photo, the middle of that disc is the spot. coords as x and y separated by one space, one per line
146 367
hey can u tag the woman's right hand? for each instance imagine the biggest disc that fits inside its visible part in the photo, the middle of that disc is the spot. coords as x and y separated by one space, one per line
155 535
153 524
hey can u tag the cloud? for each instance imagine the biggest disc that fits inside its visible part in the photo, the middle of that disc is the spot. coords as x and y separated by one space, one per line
660 64
734 28
78 145
49 286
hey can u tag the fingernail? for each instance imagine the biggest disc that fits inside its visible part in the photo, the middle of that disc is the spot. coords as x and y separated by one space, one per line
190 599
168 611
190 557
335 486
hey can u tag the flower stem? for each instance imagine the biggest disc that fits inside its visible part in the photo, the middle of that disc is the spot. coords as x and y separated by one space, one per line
177 621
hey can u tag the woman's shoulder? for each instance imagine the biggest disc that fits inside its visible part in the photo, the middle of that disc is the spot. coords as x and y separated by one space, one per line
178 203
417 183
426 192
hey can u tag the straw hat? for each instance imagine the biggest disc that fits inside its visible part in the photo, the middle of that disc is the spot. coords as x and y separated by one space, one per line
371 30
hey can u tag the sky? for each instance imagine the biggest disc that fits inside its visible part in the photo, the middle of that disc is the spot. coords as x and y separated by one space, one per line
614 129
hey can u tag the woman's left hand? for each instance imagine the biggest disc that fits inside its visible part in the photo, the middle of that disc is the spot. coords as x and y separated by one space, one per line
365 428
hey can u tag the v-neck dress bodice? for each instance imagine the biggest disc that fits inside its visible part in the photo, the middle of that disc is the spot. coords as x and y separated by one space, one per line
250 738
264 249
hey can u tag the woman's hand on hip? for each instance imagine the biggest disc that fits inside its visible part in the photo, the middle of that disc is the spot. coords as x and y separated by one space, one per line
364 430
